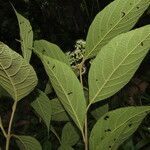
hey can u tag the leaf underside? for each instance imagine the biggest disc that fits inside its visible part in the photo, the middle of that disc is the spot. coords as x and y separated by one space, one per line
67 88
42 106
26 36
17 76
117 62
118 17
28 143
116 126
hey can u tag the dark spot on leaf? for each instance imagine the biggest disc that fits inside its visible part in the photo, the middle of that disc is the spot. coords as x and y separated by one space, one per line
142 44
109 146
21 22
130 3
130 125
102 138
29 31
43 51
53 67
108 130
69 93
106 117
123 14
48 62
114 139
137 7
111 24
96 79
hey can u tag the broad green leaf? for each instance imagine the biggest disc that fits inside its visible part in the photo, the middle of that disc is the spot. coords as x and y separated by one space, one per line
97 113
118 17
116 126
67 88
65 147
117 62
42 106
17 76
58 111
43 47
26 36
69 135
27 143
48 88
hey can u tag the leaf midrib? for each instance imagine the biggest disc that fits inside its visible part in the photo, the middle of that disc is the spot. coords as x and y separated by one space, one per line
110 30
66 97
115 71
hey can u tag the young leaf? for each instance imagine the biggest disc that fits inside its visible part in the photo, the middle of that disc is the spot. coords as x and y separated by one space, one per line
27 143
118 17
42 106
43 47
17 76
58 111
117 62
69 135
97 113
67 88
26 36
116 126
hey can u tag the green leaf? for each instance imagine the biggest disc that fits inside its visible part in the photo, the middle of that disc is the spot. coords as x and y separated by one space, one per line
26 36
58 111
27 143
42 106
116 126
97 113
118 17
65 147
69 135
67 88
43 47
117 62
49 88
17 76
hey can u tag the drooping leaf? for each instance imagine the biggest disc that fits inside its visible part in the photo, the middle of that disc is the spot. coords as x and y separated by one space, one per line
67 88
97 113
43 47
26 36
117 62
42 106
27 143
116 126
58 111
118 17
17 76
69 135
65 147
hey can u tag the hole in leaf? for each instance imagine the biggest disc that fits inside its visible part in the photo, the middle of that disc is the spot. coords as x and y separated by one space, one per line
142 44
123 14
53 67
106 117
130 125
69 93
29 31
